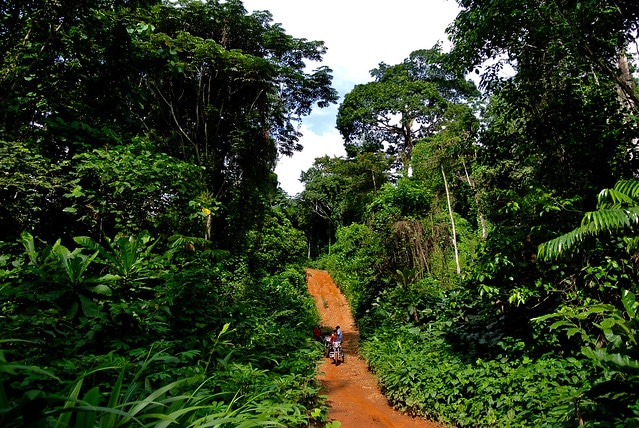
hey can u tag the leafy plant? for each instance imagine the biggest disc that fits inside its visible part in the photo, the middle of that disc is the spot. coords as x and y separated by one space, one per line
617 211
129 259
422 375
614 350
185 401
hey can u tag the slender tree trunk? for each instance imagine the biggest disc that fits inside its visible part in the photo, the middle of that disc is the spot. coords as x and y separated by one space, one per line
207 233
452 219
479 213
374 182
629 103
626 85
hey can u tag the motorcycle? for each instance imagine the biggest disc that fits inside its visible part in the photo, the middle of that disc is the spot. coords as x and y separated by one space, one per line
335 351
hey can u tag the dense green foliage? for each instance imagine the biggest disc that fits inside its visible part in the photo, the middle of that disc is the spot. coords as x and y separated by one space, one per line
337 192
179 85
480 298
405 103
149 271
129 331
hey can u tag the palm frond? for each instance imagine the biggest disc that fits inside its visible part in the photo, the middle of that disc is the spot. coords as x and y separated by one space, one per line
552 249
595 223
629 187
613 198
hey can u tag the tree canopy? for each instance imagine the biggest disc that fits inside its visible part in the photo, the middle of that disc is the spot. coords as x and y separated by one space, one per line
404 103
203 82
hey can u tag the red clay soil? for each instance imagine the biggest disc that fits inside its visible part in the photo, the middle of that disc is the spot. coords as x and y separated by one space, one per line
353 393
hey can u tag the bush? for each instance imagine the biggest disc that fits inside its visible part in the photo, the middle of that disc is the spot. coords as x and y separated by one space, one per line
187 334
421 374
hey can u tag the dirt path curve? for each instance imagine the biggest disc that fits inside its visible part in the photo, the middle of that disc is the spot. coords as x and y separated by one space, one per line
351 388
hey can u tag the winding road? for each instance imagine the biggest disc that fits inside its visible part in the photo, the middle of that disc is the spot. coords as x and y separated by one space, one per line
353 394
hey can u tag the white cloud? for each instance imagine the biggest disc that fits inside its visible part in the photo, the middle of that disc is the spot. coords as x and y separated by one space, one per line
359 34
289 169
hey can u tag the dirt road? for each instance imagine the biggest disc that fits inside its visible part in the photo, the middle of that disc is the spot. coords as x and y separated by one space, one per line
352 390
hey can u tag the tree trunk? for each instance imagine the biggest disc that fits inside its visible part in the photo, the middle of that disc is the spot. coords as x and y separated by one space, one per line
626 85
629 103
479 213
207 232
452 220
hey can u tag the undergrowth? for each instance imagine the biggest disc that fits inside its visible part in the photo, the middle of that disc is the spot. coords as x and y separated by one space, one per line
129 334
420 374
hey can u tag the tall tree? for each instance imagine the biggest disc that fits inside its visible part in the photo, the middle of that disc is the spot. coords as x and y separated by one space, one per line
68 73
404 103
534 37
203 81
566 59
227 92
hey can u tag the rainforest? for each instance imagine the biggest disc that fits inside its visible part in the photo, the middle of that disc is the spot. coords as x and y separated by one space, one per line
483 225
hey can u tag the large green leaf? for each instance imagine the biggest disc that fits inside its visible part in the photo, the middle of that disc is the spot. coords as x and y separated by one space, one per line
618 213
602 356
629 303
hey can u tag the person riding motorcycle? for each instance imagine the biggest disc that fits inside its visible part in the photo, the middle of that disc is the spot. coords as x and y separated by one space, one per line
336 351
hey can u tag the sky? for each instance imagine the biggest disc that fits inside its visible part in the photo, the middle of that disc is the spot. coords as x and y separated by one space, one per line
358 34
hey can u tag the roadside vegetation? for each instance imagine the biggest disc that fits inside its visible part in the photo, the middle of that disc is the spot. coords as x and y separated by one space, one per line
493 272
150 274
484 232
